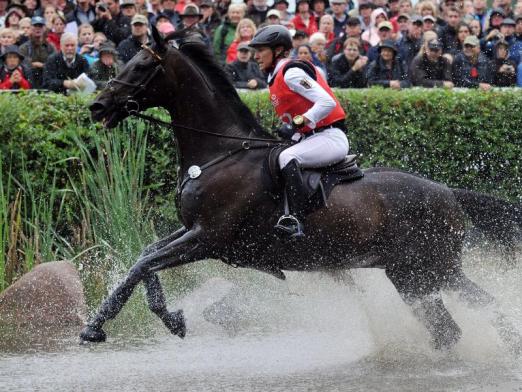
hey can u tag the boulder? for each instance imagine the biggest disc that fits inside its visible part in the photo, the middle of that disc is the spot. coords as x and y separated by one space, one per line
51 295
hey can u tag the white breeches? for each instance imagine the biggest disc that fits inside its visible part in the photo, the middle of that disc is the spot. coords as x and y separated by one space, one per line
319 150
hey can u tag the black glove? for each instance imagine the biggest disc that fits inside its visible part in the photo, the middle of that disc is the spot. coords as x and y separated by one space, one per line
286 131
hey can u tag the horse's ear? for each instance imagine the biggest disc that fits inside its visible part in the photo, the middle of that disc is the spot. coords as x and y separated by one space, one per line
160 42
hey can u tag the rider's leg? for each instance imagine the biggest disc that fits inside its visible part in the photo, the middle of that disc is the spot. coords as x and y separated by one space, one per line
318 150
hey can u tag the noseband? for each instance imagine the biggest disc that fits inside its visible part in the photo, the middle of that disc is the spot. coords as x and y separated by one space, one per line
130 103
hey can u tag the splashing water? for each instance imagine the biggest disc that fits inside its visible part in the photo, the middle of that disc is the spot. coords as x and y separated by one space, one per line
313 332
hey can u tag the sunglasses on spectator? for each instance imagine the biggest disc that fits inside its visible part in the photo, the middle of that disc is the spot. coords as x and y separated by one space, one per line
469 46
352 49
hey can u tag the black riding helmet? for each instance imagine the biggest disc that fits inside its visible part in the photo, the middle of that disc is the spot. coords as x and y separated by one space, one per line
272 36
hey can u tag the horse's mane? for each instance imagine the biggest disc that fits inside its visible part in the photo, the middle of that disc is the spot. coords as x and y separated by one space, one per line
191 45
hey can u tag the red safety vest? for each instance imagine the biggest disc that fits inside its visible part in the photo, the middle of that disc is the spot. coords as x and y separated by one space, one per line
289 104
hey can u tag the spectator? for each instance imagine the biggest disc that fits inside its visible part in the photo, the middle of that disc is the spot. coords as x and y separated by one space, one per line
505 69
298 39
245 31
326 26
506 32
427 8
403 24
165 28
211 18
476 28
388 70
83 13
405 7
32 8
430 68
257 11
37 50
410 44
225 33
303 19
393 10
128 48
479 12
305 53
515 51
13 74
282 7
12 19
371 36
49 13
463 31
429 23
273 17
472 68
86 43
190 17
244 72
448 33
7 38
385 30
348 69
58 27
3 11
352 30
107 67
61 68
111 21
169 10
25 30
494 21
319 9
340 15
365 15
318 44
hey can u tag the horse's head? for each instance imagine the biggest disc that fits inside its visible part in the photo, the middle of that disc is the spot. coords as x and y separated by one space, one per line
140 85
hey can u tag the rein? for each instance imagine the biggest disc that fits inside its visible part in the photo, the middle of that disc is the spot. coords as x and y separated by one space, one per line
157 121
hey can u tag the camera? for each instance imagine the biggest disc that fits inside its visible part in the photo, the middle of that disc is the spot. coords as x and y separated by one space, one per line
102 7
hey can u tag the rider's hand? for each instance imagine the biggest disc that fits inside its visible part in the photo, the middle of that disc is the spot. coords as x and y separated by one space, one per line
286 131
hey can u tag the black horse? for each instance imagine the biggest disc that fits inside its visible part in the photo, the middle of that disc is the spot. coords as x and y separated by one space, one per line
411 227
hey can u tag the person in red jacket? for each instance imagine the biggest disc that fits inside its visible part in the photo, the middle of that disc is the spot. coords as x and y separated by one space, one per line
13 76
304 20
311 114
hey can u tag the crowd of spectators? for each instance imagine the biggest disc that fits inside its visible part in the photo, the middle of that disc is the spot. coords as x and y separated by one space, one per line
49 44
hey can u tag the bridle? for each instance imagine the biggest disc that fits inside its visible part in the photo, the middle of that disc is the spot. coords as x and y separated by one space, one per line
131 105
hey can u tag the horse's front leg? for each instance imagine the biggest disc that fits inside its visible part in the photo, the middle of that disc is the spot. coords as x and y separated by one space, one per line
181 251
155 246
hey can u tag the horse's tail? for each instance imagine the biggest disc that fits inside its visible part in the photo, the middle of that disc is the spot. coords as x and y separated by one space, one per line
497 219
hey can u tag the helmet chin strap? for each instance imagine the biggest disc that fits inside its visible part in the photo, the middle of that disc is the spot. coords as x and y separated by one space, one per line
276 58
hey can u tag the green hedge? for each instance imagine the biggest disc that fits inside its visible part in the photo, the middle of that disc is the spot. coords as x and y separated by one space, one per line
464 138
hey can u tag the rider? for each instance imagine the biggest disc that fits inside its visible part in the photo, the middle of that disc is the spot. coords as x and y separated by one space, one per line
310 112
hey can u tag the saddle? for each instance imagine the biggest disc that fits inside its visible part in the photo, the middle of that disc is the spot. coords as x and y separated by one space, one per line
317 183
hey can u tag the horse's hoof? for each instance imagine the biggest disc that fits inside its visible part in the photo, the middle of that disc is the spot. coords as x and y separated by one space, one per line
91 334
447 340
175 322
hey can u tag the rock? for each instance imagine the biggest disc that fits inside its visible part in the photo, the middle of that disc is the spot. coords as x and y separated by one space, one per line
51 295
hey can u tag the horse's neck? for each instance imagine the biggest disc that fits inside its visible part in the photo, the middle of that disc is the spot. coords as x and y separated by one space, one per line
197 148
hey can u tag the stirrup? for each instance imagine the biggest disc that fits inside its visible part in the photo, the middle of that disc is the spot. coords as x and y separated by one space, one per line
290 225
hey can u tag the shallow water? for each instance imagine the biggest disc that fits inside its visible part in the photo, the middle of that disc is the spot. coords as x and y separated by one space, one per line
310 333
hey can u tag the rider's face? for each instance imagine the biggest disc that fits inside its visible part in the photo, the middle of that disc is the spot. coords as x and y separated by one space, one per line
264 57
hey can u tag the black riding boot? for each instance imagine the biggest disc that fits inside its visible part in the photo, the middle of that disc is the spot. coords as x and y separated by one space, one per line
290 224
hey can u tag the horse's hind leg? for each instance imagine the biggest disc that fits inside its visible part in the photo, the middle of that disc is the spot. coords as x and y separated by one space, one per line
180 251
475 296
427 305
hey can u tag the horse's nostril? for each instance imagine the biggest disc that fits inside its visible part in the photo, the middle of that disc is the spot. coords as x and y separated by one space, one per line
96 107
